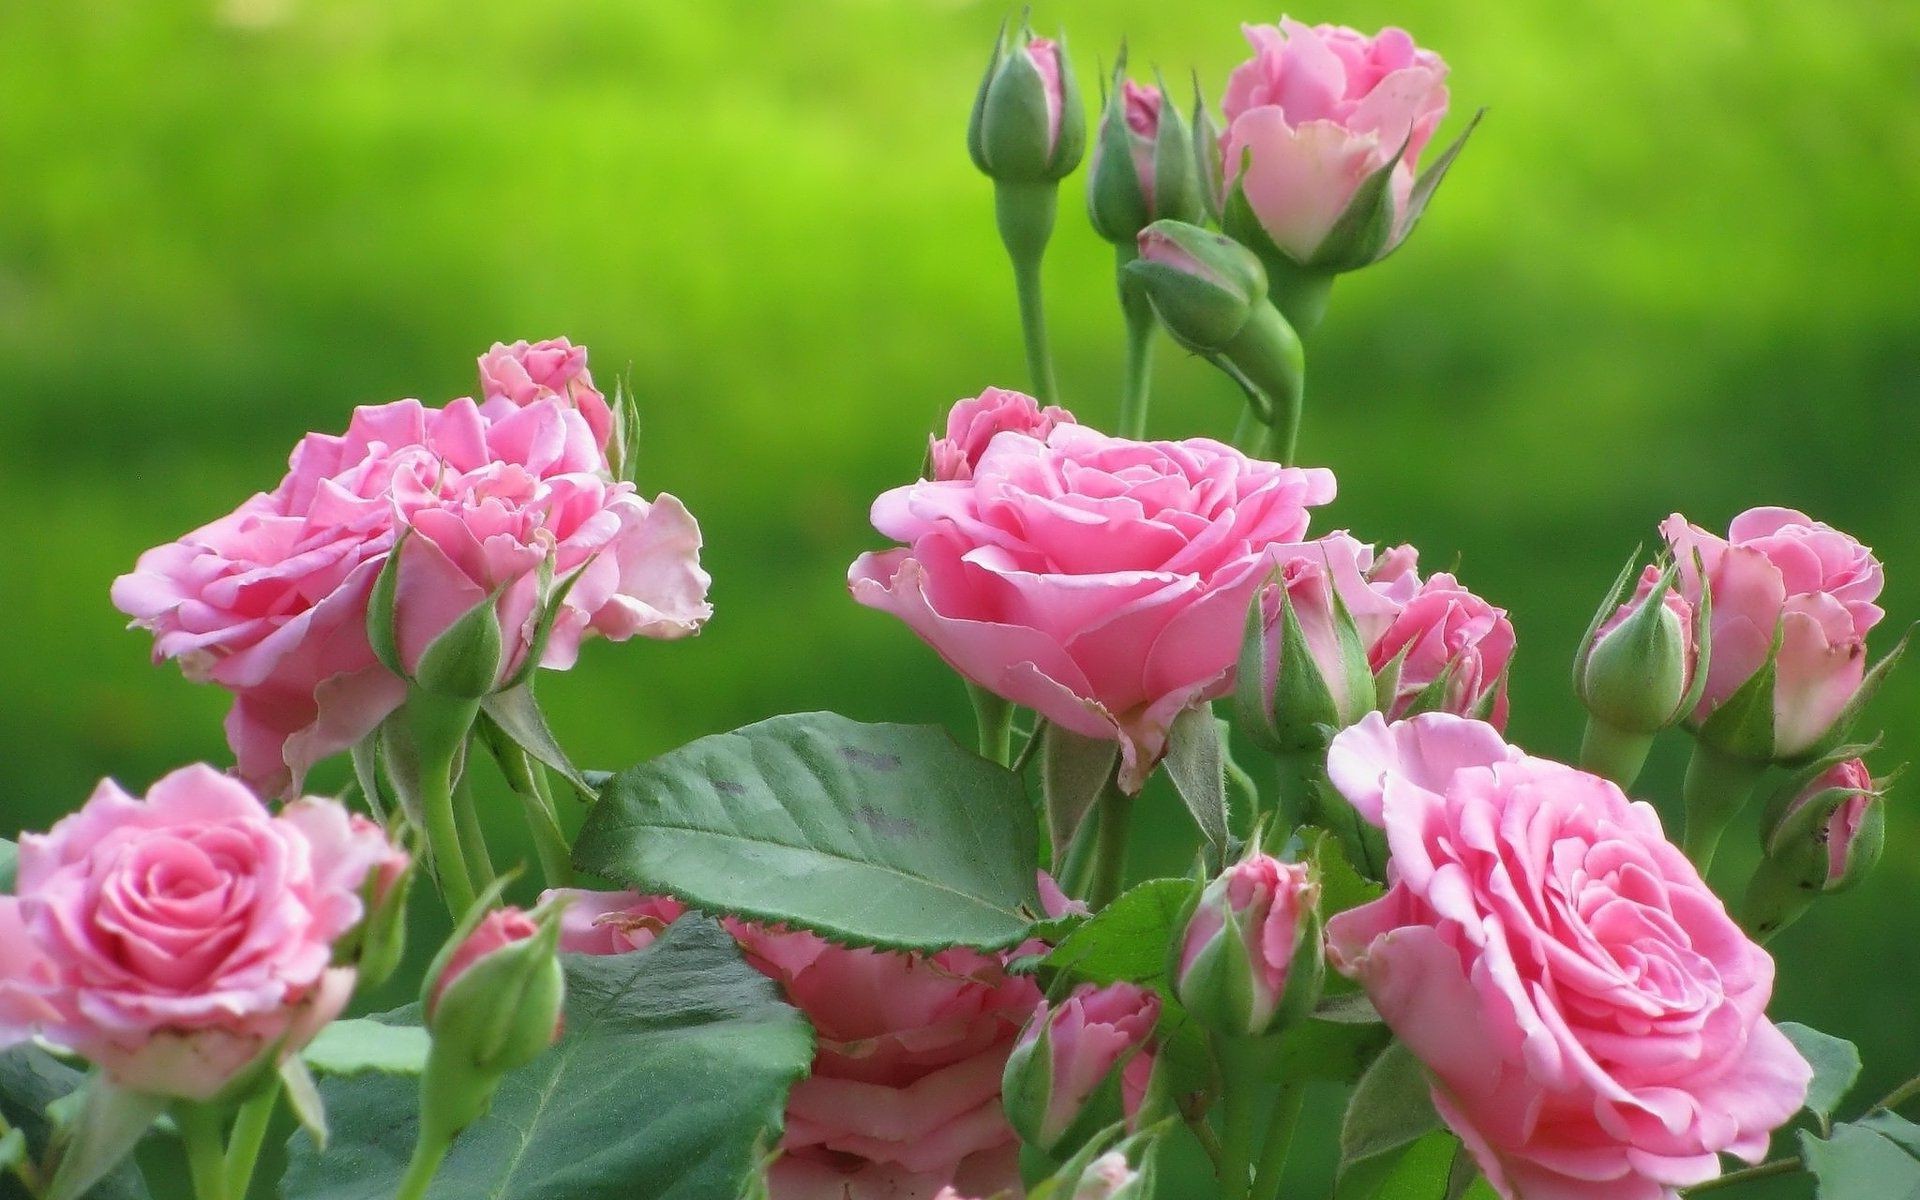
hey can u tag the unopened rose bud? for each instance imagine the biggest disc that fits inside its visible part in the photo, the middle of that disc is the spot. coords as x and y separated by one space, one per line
377 946
493 1005
1204 286
1638 672
1111 1177
1080 1065
1821 835
1027 124
1143 166
1249 960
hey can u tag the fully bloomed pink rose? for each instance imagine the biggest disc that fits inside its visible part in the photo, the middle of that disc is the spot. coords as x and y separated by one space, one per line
1592 1022
1446 630
904 1095
525 373
1778 568
271 601
1100 581
1316 111
178 940
972 425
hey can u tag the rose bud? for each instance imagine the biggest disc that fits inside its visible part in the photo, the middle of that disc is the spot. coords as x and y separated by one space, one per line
376 948
972 425
1446 651
1112 1177
1027 126
1206 153
1637 672
184 942
1248 962
1209 292
1081 1065
1143 165
1823 832
496 992
1324 128
1792 601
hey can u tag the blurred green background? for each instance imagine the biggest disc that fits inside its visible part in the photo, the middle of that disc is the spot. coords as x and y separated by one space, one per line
1675 271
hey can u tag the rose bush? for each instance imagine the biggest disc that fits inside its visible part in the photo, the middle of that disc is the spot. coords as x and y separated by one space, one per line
1592 1021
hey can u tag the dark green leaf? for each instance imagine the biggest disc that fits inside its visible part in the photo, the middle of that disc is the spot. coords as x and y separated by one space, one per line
671 1075
30 1080
1129 939
1197 768
887 835
1328 1050
1390 1110
1836 1064
100 1140
1074 769
1861 1160
1421 1171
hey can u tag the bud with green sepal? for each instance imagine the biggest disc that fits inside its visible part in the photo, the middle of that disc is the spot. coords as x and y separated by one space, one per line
1206 153
1640 669
493 1003
1823 831
1210 293
377 944
1027 133
1248 960
1111 1166
1079 1065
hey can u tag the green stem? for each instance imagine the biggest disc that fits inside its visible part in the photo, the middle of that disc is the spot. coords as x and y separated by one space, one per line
1899 1095
1779 1166
199 1126
1716 787
248 1136
1615 753
1268 356
473 839
1250 434
1246 1084
1024 212
1295 775
22 1167
1138 380
1290 1098
428 1154
528 779
994 717
437 728
1114 814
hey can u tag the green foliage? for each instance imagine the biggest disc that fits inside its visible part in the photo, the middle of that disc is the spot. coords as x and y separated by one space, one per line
9 863
673 1070
30 1081
368 1044
1836 1064
876 834
1196 763
1877 1156
1388 1116
1130 938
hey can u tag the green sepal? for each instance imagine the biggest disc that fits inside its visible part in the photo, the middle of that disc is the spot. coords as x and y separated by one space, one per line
1253 708
1742 726
555 597
1074 769
1428 183
1303 704
1364 230
303 1099
380 631
1176 188
1206 153
1609 606
1196 765
976 122
463 660
514 714
1782 825
1116 205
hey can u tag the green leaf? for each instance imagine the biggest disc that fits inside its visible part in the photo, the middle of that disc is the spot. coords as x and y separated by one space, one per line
30 1081
1390 1110
1198 770
303 1099
1873 1158
1330 1050
111 1123
514 715
365 1044
876 835
1074 769
672 1074
9 864
1836 1064
1129 939
1421 1171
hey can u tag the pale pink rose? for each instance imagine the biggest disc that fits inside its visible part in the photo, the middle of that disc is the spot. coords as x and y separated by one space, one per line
270 602
1592 1022
1100 581
611 922
1778 568
1315 112
27 978
1045 53
1140 108
904 1096
1269 904
1445 629
974 423
1373 590
500 928
526 373
1090 1033
183 937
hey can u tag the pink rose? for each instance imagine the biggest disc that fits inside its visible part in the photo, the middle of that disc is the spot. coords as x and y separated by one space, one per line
500 928
1592 1022
523 374
1239 945
1447 630
1069 1049
904 1097
1316 111
611 922
973 424
1100 581
179 939
1140 108
270 602
1374 592
1780 569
